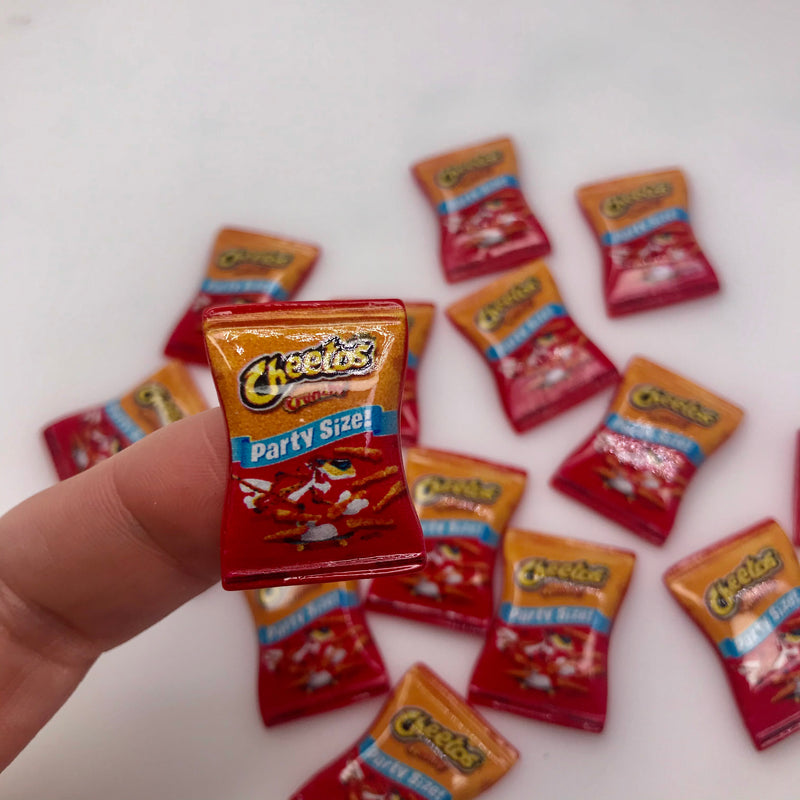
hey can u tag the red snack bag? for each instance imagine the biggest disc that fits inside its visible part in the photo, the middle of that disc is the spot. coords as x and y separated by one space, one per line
80 441
744 594
244 267
464 505
636 465
311 393
425 744
650 255
542 362
546 655
486 224
315 650
420 317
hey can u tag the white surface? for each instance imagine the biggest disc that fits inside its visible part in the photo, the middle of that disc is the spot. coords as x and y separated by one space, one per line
131 131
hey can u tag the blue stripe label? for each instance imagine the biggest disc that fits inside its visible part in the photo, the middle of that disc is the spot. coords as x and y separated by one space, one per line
253 286
477 193
324 604
525 331
654 435
412 360
466 528
538 616
283 446
646 225
120 418
756 632
401 773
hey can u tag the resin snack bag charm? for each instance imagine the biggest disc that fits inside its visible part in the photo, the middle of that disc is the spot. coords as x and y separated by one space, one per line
464 505
310 393
650 255
546 655
542 362
796 498
485 222
244 267
744 594
315 652
425 744
420 318
635 466
82 440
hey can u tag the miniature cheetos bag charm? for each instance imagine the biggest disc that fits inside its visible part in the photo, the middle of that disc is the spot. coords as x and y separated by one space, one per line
420 318
425 744
464 505
485 222
546 655
244 267
650 255
744 594
311 393
542 362
315 650
635 466
82 440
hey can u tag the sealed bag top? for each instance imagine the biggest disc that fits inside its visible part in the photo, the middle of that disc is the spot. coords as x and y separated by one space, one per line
244 263
626 208
447 748
553 580
460 178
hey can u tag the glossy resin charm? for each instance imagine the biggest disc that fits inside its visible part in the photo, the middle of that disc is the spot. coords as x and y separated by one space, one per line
244 267
650 255
311 393
744 594
542 362
464 505
315 652
484 219
635 466
425 744
81 440
546 655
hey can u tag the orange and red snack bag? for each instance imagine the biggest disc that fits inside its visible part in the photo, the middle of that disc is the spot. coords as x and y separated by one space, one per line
81 440
420 318
464 505
650 255
244 267
485 222
743 593
311 393
546 655
425 744
796 498
636 465
542 362
315 651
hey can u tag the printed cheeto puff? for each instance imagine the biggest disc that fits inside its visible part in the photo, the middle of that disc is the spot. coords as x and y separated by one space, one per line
315 650
464 505
546 654
542 362
426 743
244 267
636 465
310 393
743 593
650 255
485 222
82 440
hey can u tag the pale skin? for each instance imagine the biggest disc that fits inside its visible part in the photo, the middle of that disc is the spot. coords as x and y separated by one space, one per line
93 560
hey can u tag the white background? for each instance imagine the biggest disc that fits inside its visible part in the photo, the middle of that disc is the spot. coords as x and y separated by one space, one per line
129 132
